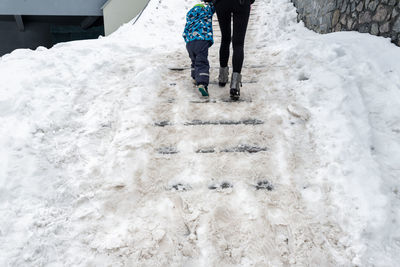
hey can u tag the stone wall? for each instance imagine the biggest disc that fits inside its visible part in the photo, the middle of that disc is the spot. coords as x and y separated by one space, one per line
378 17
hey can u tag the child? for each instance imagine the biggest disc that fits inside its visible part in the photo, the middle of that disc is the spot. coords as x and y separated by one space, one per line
198 36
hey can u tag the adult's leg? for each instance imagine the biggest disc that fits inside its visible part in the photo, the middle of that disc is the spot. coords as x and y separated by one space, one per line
224 14
241 14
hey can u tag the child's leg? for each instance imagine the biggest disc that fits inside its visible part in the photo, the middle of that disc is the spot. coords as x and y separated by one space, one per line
202 66
192 55
192 70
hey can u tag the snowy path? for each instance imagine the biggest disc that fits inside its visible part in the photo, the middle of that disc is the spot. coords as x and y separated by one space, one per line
236 225
99 162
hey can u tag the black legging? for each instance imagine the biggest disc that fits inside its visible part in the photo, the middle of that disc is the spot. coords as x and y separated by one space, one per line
241 13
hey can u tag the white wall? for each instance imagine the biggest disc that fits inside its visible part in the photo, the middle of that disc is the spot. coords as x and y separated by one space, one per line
118 12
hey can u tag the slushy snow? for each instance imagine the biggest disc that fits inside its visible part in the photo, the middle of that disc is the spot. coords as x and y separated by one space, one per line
84 180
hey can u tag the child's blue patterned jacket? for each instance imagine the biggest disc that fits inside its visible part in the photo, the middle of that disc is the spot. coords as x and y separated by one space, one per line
199 23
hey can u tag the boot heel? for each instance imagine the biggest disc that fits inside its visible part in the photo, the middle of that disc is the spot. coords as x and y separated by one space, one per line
236 82
223 76
235 94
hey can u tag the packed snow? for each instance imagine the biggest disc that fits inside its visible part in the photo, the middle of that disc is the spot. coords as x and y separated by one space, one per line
98 162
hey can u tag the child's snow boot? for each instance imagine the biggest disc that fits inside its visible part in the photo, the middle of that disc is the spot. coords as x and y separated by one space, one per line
236 82
203 90
223 76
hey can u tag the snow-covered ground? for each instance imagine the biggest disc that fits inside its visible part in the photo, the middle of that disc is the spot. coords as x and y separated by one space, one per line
83 182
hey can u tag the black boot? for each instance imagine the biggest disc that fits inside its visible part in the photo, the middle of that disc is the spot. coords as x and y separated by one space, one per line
236 82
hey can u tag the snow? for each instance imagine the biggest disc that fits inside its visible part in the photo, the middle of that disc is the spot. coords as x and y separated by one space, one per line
82 182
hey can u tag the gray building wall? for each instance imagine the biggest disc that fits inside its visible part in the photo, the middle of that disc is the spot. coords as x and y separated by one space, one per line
52 7
35 34
72 19
44 31
377 17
